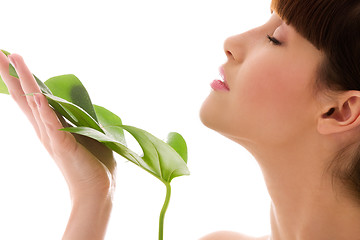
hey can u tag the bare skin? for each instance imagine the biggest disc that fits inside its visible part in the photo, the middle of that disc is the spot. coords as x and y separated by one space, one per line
222 235
88 167
271 109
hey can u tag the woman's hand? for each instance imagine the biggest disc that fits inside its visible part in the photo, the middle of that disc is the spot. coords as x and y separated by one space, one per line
87 165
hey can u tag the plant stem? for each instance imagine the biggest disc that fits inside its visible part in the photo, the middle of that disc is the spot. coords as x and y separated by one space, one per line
163 211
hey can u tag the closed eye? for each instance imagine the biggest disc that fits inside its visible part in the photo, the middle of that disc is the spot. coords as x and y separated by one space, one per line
274 40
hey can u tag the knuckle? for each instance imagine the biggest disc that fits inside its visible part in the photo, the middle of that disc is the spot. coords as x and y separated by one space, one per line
51 125
63 145
31 102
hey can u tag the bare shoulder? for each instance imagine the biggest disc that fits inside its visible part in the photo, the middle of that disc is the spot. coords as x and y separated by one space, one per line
226 235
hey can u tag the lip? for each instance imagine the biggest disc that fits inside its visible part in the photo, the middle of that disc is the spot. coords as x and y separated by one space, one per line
220 84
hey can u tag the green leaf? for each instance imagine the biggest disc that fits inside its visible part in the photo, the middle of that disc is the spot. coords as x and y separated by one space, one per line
70 88
110 123
161 157
42 86
12 71
177 142
111 143
5 52
67 95
73 113
3 88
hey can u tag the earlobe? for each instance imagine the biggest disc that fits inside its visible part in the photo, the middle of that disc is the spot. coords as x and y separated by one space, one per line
343 116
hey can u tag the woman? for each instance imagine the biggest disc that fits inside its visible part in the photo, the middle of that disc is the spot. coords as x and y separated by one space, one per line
293 101
289 94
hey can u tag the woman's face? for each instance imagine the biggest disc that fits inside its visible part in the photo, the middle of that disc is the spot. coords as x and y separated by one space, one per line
268 92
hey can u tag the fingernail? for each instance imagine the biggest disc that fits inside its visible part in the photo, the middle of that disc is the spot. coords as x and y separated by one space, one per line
12 61
37 100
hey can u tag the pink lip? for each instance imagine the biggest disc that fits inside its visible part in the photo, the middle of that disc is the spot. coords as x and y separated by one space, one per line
220 85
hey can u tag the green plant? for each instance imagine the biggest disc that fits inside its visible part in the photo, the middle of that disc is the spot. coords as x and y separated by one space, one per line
67 96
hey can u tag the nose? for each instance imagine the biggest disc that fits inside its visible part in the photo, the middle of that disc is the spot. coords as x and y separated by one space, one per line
235 47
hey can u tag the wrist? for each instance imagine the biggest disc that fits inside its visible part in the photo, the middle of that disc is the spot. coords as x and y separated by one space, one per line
99 201
89 218
96 191
91 197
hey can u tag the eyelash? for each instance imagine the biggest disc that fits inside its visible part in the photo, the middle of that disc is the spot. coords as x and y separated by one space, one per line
274 40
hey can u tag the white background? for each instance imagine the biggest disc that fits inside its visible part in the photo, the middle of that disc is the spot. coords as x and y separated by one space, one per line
151 63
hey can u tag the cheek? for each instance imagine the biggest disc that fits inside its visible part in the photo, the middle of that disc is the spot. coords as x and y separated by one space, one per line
271 100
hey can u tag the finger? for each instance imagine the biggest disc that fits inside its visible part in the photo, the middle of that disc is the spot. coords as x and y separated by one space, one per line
29 86
27 79
42 132
11 82
15 89
61 142
4 71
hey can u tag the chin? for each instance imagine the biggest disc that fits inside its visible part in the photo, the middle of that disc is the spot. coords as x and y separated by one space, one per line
205 114
211 121
210 116
214 117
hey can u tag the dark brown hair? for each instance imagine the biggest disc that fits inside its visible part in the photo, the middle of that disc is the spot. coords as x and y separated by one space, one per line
333 27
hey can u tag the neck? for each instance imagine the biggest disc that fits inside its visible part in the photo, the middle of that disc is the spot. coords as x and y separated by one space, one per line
305 202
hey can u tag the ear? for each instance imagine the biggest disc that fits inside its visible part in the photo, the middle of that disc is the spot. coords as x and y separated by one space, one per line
341 116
